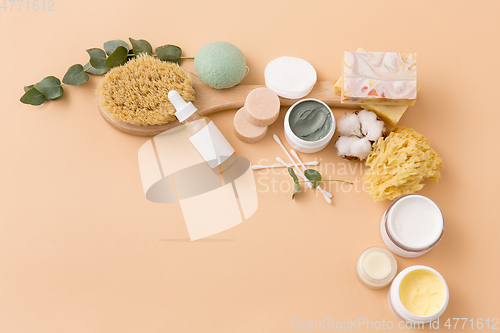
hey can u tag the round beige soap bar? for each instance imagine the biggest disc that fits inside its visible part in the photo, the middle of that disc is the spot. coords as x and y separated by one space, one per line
246 131
262 107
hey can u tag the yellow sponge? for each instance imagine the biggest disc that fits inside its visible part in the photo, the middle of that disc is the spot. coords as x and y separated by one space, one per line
399 163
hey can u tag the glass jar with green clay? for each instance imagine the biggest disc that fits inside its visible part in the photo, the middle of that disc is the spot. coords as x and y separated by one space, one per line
309 125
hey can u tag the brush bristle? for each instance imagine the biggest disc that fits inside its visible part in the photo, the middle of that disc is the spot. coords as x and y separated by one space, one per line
136 93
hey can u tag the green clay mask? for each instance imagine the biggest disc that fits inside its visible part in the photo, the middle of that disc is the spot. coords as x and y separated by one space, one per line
310 121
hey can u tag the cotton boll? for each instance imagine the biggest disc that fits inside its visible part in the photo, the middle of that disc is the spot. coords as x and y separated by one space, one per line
374 130
358 131
366 118
371 127
343 145
360 148
349 125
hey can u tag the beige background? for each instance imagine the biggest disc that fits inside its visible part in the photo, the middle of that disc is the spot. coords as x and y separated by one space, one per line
82 250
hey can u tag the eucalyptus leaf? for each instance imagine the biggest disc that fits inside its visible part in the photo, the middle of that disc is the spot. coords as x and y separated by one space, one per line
294 176
97 58
94 71
316 181
170 53
140 46
33 97
50 87
117 58
312 175
75 75
26 88
111 46
61 95
296 189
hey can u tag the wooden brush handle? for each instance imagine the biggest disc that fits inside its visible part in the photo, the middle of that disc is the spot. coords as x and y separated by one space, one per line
209 100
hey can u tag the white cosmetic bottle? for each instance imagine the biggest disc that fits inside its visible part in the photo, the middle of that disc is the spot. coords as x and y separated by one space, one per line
203 134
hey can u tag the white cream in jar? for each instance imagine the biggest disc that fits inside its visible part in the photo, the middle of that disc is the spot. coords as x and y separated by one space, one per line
412 225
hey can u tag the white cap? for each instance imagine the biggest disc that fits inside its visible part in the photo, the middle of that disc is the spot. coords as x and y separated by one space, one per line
184 110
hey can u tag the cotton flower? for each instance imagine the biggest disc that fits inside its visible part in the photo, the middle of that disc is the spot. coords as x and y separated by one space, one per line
358 131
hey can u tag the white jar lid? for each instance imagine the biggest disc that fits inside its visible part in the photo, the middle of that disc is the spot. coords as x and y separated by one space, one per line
290 77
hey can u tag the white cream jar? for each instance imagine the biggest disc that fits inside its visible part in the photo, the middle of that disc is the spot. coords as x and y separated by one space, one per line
412 225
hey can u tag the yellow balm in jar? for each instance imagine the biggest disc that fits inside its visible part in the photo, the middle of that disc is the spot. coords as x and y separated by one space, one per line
422 292
418 294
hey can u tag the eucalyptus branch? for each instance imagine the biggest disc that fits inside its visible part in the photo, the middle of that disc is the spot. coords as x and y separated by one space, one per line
326 180
313 177
115 53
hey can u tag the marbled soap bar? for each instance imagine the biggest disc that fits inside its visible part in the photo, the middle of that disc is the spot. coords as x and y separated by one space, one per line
385 78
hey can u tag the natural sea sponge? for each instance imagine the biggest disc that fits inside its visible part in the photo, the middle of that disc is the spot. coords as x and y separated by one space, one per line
136 93
399 163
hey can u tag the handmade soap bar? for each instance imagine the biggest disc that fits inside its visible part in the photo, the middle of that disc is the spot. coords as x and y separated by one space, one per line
386 78
246 131
338 86
388 113
262 107
391 114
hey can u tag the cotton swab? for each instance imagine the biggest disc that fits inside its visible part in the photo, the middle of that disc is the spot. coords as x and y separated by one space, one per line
298 172
327 195
294 153
259 167
277 139
301 175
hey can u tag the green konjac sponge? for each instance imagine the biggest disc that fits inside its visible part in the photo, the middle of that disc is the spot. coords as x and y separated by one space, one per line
220 65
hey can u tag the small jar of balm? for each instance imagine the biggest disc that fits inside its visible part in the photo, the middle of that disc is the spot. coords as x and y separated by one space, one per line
419 294
376 267
412 225
309 125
